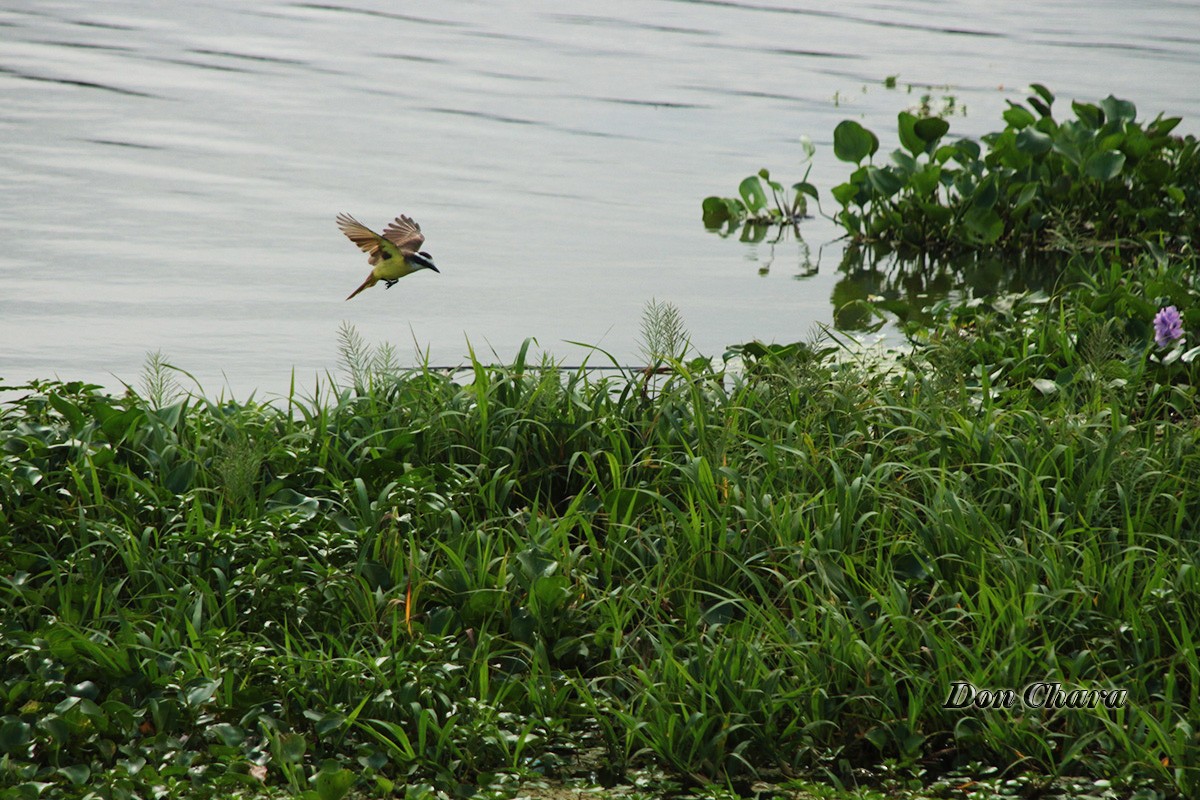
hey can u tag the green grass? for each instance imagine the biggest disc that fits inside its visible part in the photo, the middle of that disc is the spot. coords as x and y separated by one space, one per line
414 585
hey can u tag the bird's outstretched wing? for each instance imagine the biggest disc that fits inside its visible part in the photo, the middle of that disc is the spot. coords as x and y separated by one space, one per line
405 234
369 241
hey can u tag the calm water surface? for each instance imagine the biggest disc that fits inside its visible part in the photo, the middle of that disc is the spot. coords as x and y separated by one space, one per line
170 171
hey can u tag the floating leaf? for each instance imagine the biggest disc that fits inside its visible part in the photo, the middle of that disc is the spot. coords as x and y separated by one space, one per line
1045 386
753 194
852 142
717 211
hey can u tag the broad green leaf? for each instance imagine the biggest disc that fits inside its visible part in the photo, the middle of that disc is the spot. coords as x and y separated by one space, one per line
714 212
56 726
230 735
752 193
885 181
852 142
1068 150
1027 194
1032 141
1042 91
69 410
926 181
1137 143
201 692
905 162
806 188
1018 116
844 193
908 136
930 129
985 224
1087 113
550 592
14 734
985 195
536 562
290 499
1162 126
77 774
523 626
483 602
1118 111
292 747
324 723
334 784
1104 166
1113 141
180 479
968 151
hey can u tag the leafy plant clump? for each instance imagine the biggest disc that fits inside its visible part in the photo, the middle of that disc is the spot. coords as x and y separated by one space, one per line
755 208
1100 179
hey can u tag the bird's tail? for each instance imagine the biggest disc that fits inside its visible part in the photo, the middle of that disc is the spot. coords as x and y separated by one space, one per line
367 284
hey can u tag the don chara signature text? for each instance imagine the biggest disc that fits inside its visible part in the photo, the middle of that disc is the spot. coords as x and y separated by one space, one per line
1047 695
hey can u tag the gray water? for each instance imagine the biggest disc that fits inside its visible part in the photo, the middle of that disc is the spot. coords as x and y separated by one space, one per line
170 171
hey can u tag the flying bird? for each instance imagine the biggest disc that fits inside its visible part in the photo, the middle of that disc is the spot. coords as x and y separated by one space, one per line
393 255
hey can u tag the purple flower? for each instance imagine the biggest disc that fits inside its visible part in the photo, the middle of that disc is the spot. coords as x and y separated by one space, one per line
1168 326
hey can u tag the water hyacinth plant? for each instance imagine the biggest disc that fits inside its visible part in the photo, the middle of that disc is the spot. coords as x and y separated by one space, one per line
1168 326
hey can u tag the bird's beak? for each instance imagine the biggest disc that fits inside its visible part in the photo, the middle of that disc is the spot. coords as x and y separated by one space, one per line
435 269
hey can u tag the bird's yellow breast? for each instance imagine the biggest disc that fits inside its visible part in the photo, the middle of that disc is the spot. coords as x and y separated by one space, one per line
388 269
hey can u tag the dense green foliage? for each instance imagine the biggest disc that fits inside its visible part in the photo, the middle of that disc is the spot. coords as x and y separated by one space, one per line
414 581
1101 179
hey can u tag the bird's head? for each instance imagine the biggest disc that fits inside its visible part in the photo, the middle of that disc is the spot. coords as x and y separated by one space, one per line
423 260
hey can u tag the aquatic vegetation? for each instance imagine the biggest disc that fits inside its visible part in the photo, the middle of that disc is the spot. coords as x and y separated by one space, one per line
418 581
1101 179
755 208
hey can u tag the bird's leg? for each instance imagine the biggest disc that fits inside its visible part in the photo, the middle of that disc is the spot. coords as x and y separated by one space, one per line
389 284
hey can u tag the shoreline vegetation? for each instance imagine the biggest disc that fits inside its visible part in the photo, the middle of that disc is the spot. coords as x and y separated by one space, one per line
757 575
